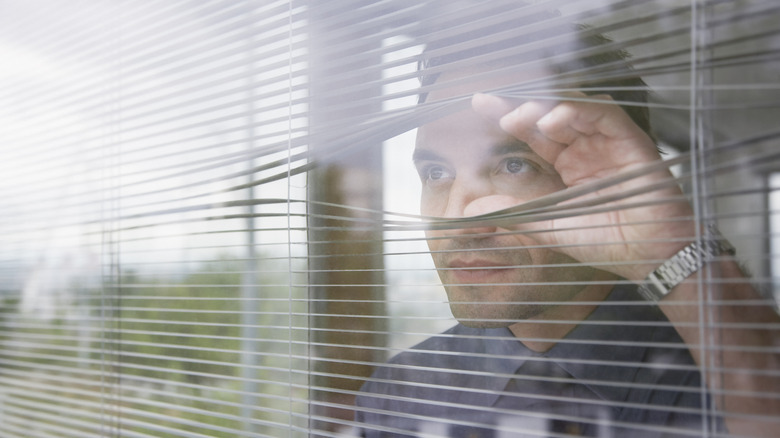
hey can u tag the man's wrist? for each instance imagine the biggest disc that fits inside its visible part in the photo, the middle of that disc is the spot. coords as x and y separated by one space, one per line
685 263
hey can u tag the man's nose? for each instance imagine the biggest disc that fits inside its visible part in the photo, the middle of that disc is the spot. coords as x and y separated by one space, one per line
468 198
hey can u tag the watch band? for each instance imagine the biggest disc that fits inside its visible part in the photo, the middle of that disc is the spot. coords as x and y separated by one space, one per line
683 264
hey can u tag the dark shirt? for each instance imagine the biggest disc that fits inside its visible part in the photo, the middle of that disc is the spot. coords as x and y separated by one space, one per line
623 372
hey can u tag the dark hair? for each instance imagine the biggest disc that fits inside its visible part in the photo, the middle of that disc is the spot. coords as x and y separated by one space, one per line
577 55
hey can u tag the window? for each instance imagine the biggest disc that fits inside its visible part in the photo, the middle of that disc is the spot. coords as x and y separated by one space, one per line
212 225
774 228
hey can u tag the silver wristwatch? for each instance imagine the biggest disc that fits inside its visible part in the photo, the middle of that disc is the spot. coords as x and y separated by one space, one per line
683 264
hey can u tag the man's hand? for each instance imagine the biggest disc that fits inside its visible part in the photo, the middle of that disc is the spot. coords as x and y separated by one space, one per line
587 138
594 139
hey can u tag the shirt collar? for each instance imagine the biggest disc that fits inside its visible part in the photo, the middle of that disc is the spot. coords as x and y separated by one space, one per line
609 344
605 347
486 360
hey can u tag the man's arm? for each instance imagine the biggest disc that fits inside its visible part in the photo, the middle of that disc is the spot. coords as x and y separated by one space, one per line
587 138
742 371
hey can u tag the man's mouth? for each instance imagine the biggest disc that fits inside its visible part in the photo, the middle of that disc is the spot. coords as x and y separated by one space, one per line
477 271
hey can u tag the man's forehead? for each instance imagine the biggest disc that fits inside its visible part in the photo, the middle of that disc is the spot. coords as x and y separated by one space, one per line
467 136
467 125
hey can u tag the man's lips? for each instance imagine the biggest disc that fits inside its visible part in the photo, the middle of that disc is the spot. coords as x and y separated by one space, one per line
477 270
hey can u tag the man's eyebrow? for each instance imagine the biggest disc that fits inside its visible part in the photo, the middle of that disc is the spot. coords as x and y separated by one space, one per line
510 147
425 155
505 148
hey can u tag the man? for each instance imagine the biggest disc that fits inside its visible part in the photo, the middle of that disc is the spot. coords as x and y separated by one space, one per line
554 337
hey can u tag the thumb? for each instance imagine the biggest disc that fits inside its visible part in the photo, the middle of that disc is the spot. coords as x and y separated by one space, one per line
539 230
489 204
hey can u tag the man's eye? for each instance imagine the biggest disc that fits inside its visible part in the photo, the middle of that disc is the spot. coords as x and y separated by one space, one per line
434 173
515 165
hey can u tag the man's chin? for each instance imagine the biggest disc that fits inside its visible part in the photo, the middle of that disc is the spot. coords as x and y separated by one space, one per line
485 323
492 315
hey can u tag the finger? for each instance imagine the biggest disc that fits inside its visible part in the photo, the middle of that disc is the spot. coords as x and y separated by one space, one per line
596 129
490 204
521 123
563 124
539 231
599 114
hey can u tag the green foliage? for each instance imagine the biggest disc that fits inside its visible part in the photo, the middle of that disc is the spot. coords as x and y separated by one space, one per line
189 330
181 347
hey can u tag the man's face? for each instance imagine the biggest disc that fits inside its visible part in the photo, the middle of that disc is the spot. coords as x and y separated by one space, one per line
493 277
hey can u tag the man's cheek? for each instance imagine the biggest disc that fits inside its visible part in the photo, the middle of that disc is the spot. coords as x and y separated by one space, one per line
432 240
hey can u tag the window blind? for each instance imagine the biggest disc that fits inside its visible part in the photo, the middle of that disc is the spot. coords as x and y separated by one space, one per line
212 223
